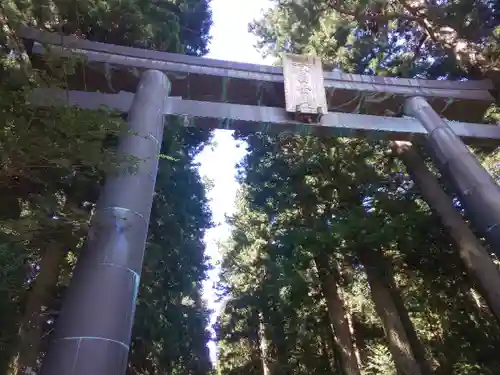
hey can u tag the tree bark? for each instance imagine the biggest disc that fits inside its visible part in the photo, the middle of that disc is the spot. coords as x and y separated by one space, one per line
356 343
330 341
35 313
356 328
337 314
328 353
474 256
265 352
397 338
415 343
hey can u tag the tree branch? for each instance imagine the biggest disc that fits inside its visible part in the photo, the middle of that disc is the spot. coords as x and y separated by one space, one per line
413 16
422 20
359 14
416 52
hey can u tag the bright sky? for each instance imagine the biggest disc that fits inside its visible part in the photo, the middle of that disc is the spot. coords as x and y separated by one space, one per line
230 41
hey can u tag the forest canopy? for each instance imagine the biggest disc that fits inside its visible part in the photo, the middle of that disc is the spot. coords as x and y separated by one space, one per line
346 256
354 256
52 163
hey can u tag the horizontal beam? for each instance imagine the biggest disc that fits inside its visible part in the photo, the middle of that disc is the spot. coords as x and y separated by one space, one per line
332 80
269 119
113 68
183 63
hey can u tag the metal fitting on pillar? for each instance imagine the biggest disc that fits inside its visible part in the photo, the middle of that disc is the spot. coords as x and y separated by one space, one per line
92 334
477 190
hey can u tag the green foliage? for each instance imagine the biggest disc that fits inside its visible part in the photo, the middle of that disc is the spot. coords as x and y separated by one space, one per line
170 331
53 159
304 196
380 361
398 38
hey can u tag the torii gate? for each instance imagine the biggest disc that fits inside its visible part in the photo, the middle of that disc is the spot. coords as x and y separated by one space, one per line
93 331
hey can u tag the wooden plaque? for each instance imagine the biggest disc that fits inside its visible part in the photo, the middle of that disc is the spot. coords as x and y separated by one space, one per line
304 87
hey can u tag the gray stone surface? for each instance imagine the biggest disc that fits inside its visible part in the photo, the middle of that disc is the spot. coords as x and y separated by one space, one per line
112 68
253 118
477 190
92 334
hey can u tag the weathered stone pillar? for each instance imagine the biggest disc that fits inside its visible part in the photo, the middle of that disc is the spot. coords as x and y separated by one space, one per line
477 190
477 261
92 334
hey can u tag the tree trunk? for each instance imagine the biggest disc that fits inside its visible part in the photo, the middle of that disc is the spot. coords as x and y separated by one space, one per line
476 259
357 345
337 314
35 313
398 341
355 326
325 348
415 343
265 352
330 341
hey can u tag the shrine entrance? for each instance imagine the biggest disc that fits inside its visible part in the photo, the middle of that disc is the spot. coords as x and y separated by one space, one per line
93 330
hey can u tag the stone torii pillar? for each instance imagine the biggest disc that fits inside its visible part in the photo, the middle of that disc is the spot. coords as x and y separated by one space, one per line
92 334
477 190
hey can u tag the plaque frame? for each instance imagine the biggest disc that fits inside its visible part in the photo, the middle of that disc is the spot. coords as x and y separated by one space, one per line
305 95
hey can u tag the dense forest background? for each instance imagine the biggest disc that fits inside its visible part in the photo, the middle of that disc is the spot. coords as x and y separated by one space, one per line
51 164
337 264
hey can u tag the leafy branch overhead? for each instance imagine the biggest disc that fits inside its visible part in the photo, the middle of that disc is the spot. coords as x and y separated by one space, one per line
52 161
336 263
460 37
